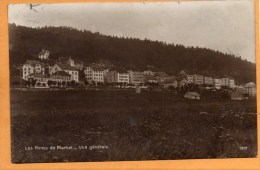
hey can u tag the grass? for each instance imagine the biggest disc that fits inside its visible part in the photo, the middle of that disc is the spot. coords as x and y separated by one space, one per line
146 126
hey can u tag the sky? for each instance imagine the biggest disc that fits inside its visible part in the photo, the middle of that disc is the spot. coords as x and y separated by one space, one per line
226 26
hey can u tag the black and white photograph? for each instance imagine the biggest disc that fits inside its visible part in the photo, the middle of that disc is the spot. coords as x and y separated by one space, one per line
132 81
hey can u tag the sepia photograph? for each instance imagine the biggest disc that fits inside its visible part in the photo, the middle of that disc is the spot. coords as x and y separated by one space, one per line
132 81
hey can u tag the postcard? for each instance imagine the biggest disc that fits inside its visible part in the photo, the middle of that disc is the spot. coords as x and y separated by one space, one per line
132 81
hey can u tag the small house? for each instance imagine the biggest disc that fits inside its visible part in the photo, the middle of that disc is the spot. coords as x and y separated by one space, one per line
239 94
192 95
170 82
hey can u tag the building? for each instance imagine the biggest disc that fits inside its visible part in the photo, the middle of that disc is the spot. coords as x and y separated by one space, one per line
111 76
96 73
72 71
250 88
189 79
150 79
161 76
122 77
78 64
136 77
148 72
88 73
239 94
170 82
31 66
198 79
44 54
217 83
228 82
60 76
41 80
225 81
182 81
208 80
192 95
182 78
231 83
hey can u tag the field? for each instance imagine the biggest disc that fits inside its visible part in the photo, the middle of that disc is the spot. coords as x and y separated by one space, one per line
146 126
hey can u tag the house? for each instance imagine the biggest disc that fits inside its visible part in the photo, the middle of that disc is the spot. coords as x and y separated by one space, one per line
251 88
189 79
182 81
72 71
96 73
208 80
41 80
150 79
122 76
239 94
136 77
192 95
44 54
148 72
60 76
198 79
170 82
231 83
228 82
31 66
182 78
78 64
225 81
88 73
111 76
217 83
161 76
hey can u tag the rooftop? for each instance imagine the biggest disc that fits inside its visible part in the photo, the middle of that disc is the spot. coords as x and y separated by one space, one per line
61 73
66 67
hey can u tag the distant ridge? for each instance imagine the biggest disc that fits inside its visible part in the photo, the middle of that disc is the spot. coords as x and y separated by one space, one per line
89 47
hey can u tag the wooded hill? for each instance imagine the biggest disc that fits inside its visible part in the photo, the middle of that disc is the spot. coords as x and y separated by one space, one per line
26 43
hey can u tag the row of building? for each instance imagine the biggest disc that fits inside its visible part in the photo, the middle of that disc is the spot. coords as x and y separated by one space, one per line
100 73
67 69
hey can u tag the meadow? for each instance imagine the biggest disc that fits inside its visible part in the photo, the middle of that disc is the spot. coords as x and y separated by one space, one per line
147 126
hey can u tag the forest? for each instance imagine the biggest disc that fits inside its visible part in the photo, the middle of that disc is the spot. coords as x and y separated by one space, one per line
25 43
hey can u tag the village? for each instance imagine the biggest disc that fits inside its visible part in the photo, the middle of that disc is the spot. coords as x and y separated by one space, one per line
69 73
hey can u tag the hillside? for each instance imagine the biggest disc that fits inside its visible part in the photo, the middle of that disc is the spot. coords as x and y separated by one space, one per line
87 46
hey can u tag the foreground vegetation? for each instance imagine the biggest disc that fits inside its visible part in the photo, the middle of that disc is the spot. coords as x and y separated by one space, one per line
147 126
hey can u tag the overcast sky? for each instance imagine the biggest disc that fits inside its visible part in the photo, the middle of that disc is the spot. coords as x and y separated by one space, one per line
227 25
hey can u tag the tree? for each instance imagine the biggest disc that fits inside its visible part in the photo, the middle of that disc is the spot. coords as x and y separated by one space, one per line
63 83
86 82
50 82
73 83
33 82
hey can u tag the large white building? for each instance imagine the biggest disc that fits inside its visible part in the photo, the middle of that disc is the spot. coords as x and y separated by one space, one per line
30 67
228 82
95 73
136 77
72 71
123 77
198 79
251 88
